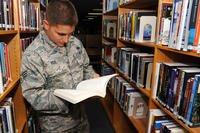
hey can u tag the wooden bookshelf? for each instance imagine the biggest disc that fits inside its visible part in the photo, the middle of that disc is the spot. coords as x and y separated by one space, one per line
161 54
14 90
8 32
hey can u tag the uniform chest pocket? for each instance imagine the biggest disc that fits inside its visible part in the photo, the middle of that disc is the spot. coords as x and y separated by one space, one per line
56 69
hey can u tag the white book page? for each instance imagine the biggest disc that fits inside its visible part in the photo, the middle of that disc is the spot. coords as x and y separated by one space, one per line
85 89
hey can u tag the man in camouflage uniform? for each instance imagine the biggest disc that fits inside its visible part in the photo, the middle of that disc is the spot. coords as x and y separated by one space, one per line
56 60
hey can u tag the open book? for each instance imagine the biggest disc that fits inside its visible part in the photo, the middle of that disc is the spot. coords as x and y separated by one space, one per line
85 89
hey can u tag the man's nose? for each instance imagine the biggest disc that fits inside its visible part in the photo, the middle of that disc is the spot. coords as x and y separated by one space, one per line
65 39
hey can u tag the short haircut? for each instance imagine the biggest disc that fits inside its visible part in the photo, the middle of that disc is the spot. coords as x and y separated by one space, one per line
61 12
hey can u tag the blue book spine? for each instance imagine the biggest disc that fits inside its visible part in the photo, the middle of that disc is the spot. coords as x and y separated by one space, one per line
191 104
170 97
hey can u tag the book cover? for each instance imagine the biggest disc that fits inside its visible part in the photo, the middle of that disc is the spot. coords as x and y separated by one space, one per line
147 29
111 30
85 89
165 21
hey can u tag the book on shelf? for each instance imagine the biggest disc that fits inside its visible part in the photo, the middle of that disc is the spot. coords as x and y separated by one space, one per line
197 33
147 29
153 113
7 117
111 30
192 24
193 118
164 20
184 75
183 20
175 23
165 79
149 76
138 14
85 89
159 121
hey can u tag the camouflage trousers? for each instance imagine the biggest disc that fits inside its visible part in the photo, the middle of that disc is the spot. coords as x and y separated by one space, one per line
62 124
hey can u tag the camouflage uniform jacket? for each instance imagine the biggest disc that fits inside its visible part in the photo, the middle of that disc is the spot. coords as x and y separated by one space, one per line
46 67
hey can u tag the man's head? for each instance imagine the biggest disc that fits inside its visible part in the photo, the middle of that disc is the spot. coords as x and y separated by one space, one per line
61 19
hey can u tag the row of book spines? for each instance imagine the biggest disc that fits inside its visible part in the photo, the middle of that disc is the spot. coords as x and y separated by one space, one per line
106 70
25 42
137 66
179 30
174 90
158 121
138 25
6 15
124 1
131 101
7 117
110 28
5 70
28 15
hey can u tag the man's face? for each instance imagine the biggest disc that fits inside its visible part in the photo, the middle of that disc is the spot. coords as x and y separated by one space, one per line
59 34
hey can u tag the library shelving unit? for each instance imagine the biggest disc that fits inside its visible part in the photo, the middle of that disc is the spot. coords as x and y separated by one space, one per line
12 38
120 122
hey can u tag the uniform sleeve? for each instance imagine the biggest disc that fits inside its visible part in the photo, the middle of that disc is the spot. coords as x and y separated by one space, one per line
33 81
88 71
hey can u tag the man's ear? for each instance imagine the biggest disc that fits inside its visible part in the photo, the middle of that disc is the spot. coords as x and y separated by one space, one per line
46 24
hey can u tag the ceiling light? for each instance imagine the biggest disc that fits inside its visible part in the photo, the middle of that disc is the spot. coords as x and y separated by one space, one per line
94 13
97 9
90 18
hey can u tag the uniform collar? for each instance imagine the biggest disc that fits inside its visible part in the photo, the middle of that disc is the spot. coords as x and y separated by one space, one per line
52 47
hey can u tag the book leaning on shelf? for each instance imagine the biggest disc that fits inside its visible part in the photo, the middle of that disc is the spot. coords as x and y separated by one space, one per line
85 89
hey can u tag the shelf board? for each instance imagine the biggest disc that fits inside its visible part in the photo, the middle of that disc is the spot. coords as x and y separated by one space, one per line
7 32
110 38
29 32
191 130
140 4
140 124
179 51
8 89
146 44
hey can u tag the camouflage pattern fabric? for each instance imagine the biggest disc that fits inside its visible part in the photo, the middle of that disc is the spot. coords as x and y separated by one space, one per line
46 67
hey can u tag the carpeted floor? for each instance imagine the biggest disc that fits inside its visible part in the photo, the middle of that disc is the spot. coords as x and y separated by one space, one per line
98 119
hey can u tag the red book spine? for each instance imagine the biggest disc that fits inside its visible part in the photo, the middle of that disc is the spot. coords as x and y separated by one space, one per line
197 32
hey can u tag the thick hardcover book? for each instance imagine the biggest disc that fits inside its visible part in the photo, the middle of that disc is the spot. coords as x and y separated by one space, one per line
85 89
